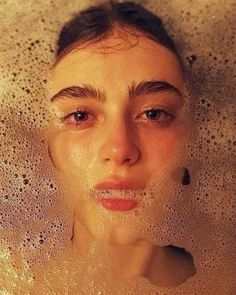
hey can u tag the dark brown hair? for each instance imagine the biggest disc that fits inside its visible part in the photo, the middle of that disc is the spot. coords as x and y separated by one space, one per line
96 22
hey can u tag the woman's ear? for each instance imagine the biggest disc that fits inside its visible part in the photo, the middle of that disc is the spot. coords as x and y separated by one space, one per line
186 179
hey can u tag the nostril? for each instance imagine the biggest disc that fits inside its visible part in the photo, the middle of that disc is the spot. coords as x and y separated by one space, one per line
121 160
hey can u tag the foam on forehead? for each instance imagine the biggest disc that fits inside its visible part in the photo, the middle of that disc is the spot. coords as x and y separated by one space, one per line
36 224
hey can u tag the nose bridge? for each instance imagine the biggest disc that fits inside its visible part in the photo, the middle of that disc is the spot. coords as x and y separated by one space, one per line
121 130
119 143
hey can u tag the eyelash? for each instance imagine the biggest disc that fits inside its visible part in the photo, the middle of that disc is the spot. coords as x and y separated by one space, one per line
69 115
169 116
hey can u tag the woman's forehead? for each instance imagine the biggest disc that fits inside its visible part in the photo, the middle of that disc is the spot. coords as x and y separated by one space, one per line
118 46
117 59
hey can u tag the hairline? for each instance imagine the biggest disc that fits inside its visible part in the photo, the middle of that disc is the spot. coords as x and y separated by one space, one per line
77 45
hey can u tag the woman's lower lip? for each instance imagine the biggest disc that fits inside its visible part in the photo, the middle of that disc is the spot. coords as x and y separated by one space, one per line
118 204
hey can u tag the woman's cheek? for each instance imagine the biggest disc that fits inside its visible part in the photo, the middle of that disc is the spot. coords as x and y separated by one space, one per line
172 148
68 152
164 148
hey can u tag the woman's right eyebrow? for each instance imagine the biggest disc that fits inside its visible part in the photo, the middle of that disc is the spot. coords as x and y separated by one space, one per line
80 92
135 90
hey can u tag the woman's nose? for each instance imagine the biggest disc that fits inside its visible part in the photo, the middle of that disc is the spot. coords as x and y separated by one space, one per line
119 146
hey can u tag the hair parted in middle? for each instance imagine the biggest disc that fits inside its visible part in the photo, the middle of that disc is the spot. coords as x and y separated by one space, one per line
98 21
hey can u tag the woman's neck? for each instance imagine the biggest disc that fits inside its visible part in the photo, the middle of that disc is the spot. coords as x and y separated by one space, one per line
131 260
163 266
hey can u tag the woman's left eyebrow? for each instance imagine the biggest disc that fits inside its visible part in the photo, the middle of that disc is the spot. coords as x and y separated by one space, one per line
135 90
152 86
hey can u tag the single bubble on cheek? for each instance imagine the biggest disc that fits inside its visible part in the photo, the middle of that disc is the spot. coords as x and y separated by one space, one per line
188 212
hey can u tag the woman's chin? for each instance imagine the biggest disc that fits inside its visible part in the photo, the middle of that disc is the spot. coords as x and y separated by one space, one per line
103 227
114 235
122 236
104 232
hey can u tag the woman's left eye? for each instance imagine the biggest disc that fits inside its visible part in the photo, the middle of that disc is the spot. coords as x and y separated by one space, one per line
157 115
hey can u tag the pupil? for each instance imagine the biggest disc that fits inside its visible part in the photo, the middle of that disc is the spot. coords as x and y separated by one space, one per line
80 116
153 114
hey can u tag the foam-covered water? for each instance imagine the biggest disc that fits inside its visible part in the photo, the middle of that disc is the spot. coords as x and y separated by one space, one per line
36 223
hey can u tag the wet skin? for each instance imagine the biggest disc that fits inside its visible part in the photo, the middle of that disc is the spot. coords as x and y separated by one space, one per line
123 136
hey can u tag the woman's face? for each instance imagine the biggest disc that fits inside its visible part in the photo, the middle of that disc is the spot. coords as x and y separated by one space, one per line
119 132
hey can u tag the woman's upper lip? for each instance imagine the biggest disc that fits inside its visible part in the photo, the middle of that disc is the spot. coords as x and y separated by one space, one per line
119 184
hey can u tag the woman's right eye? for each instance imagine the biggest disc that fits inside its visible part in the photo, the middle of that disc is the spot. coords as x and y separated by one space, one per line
78 118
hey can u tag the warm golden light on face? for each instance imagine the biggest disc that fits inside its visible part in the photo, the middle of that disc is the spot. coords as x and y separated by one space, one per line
61 231
120 117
